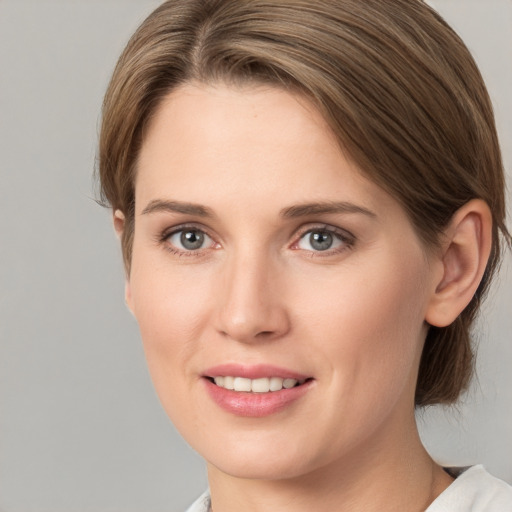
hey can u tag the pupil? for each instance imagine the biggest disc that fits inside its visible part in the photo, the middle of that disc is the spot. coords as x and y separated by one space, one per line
192 239
321 241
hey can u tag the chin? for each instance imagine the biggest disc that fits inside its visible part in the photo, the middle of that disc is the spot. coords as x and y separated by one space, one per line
270 469
260 459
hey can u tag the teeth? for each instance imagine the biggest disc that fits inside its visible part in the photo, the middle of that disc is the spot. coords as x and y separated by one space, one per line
289 383
242 384
276 384
229 383
263 385
260 385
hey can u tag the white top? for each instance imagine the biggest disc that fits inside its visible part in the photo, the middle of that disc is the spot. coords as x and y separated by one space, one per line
474 490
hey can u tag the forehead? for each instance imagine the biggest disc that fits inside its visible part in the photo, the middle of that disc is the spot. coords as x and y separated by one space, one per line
211 122
251 144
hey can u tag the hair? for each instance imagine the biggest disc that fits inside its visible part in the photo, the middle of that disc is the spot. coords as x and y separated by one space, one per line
396 84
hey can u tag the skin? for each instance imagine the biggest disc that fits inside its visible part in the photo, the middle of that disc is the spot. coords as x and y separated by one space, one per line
353 317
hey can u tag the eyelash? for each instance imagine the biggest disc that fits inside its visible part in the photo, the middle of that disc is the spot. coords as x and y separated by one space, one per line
343 236
348 240
163 239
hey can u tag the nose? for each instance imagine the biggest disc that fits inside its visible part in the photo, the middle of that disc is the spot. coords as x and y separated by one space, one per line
251 305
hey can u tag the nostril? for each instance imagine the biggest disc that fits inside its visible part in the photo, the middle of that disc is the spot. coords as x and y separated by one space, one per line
264 334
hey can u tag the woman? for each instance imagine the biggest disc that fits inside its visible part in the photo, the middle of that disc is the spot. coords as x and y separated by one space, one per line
309 197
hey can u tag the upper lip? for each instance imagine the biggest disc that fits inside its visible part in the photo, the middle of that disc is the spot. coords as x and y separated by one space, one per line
255 371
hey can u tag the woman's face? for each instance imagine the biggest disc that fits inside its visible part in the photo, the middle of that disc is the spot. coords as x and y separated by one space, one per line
264 260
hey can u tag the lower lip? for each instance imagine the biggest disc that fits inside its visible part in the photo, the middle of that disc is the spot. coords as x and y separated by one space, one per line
255 405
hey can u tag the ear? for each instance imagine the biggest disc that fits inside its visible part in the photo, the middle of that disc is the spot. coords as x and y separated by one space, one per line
119 223
465 251
119 220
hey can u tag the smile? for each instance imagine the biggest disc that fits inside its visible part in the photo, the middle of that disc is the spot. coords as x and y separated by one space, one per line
261 385
255 390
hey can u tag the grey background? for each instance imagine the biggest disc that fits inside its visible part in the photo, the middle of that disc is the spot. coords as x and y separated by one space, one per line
80 426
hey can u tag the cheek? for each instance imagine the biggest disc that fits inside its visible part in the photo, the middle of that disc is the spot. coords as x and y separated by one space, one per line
369 325
167 298
172 307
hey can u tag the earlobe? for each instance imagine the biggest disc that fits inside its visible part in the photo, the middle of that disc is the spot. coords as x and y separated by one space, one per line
119 223
464 257
119 220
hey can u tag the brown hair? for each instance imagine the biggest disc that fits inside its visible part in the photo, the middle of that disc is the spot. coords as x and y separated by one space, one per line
396 84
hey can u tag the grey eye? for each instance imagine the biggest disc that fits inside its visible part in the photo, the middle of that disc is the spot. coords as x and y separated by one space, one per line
192 240
320 241
189 239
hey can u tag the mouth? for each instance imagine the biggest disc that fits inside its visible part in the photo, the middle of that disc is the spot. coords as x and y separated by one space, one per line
259 385
256 390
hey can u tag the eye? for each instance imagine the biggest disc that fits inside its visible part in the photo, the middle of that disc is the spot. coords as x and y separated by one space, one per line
321 240
189 239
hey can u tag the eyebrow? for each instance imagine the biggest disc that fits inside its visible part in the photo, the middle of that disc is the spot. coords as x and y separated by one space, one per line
161 205
302 210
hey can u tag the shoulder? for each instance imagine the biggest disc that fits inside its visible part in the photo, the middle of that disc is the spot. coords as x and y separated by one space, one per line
202 504
475 490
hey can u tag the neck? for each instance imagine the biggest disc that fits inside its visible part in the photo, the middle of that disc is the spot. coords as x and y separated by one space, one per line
389 473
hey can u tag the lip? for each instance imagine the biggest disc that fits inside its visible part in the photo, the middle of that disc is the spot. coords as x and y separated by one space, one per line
254 405
253 372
